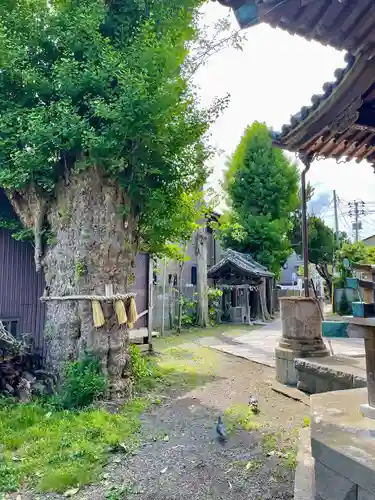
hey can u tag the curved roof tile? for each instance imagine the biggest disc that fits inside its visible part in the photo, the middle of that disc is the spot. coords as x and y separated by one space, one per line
316 101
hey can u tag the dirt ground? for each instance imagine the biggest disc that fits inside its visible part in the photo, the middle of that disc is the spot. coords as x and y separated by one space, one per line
180 457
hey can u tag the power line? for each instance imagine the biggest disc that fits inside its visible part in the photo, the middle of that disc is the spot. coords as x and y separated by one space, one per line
322 214
343 217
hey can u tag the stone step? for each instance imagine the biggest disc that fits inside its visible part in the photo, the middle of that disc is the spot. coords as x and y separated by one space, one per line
304 481
330 373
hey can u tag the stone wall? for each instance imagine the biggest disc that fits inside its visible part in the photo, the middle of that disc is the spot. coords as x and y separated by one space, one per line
343 446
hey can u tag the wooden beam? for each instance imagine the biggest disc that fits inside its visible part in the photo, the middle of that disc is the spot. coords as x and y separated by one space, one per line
150 303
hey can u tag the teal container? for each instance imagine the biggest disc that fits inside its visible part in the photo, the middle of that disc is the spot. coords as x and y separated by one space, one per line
351 283
335 329
362 310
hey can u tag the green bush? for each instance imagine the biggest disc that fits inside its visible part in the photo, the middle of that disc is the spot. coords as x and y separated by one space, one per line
82 383
139 367
189 311
344 305
214 304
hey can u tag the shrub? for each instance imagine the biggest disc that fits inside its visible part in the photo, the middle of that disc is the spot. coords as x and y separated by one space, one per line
344 306
214 304
139 367
189 315
82 383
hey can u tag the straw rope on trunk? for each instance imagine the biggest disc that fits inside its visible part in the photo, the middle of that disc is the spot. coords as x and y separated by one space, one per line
124 306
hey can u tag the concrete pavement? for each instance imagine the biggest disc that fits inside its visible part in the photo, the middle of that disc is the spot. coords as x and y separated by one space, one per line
259 345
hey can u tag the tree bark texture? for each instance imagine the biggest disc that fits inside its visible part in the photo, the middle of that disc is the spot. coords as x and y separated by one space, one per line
324 273
201 253
94 245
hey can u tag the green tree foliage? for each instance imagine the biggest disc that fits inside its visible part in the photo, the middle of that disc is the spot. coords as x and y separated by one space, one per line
100 83
370 255
261 185
103 146
354 252
322 245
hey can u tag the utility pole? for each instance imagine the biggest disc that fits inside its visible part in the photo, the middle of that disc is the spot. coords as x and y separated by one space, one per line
306 160
356 217
357 225
337 236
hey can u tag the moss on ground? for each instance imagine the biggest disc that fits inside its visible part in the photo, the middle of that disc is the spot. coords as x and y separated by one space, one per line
53 450
241 416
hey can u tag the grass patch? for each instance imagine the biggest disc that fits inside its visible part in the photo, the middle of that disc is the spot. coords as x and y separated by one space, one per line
188 335
248 466
289 458
283 447
178 366
55 450
306 422
52 449
119 493
270 442
241 416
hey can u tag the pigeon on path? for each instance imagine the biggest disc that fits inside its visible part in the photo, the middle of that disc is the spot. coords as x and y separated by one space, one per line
253 403
221 430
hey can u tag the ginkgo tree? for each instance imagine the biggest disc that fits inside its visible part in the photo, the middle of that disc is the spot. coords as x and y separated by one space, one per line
102 148
261 186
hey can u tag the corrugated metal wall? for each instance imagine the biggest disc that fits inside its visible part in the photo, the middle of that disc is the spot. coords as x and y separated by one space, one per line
140 287
21 287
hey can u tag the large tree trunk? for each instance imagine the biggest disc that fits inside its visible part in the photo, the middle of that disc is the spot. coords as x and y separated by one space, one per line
324 273
94 246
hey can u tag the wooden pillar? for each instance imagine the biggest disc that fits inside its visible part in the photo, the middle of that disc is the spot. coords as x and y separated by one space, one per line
247 298
150 303
201 254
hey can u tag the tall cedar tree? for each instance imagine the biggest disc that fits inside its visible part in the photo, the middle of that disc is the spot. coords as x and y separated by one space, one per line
102 146
262 190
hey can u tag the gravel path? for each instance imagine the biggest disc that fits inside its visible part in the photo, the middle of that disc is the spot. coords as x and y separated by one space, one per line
180 457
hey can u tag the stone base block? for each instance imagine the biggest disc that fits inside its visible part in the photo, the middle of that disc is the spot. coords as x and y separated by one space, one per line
330 373
329 485
285 370
368 411
343 446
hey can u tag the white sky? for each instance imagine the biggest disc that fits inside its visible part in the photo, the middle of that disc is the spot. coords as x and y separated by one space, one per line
271 79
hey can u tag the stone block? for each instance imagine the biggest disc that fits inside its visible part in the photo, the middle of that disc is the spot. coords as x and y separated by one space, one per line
365 494
336 385
368 411
331 373
306 382
285 370
329 485
323 384
304 481
353 332
342 439
359 381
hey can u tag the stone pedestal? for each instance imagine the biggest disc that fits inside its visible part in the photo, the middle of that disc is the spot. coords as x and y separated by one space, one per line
301 325
365 327
343 446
